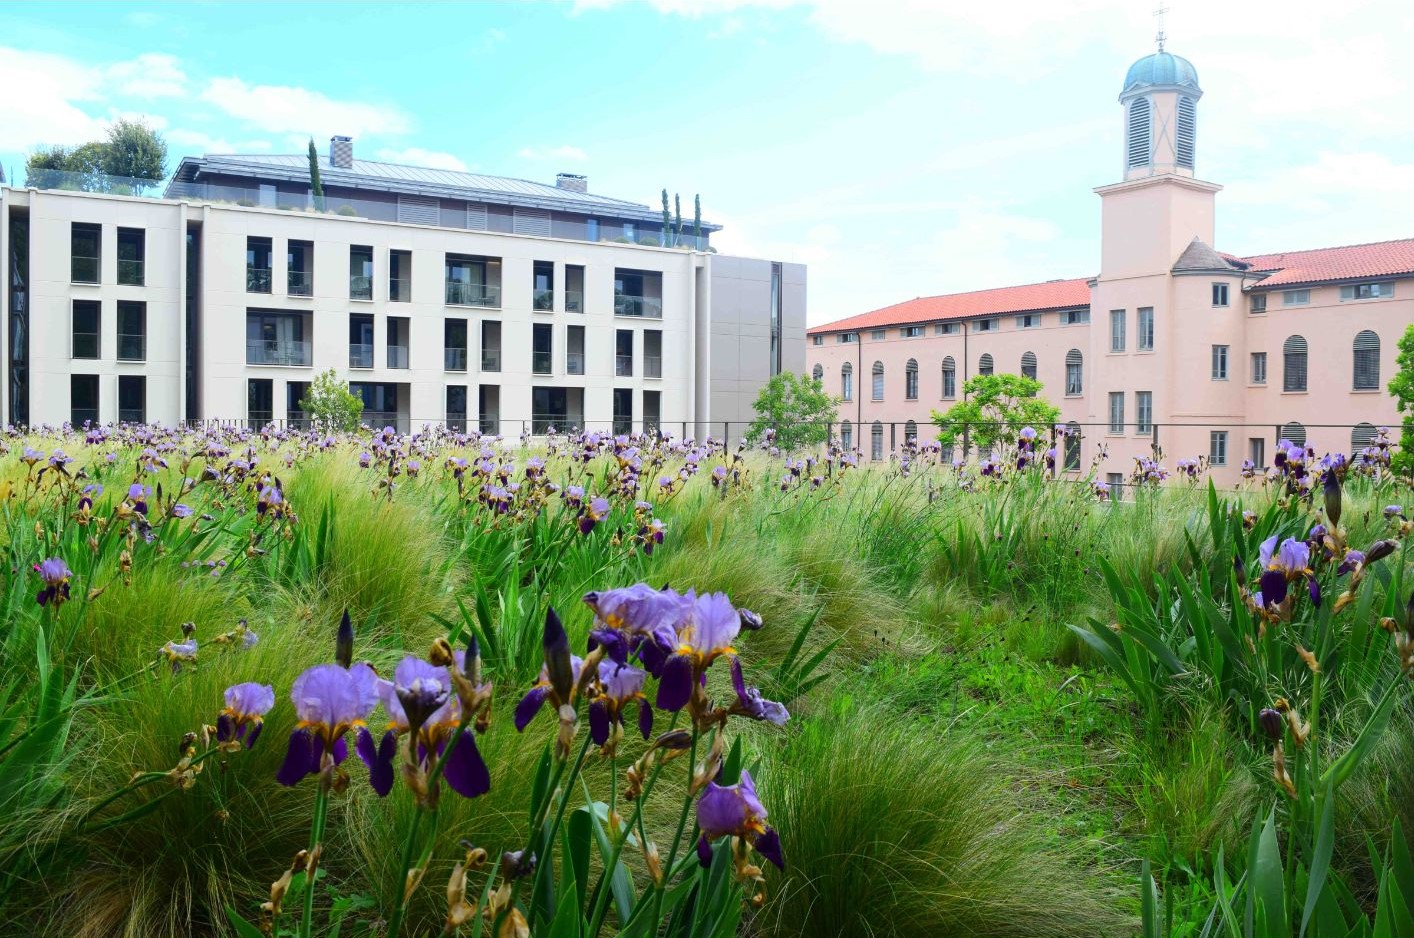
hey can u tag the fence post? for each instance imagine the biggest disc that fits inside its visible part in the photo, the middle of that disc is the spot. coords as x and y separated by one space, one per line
893 438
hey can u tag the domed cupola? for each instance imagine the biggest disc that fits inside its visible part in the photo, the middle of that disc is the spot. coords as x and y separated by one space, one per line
1160 99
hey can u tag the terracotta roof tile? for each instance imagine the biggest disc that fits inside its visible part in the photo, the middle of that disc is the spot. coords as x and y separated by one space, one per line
1053 294
1382 259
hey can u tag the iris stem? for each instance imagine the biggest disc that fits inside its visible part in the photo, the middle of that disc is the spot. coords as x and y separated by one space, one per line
660 889
316 835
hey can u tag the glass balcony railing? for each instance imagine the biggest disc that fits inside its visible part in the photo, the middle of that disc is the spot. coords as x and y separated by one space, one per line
296 420
259 418
622 424
490 425
130 272
490 359
540 363
574 363
623 366
85 345
132 415
652 366
472 294
647 307
456 423
544 300
399 289
360 355
257 280
301 283
397 356
454 359
574 301
360 288
82 415
261 352
83 269
132 347
377 419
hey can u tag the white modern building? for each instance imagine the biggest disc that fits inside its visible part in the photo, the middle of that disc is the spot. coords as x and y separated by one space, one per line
442 297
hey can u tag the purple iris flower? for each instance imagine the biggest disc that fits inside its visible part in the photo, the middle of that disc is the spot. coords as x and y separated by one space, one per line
181 511
244 716
541 691
750 703
703 636
138 494
736 811
1394 511
621 685
597 511
55 575
329 700
627 618
1282 565
1352 560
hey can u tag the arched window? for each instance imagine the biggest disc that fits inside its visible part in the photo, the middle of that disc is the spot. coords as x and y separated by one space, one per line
1028 365
847 381
878 388
1186 131
910 431
910 380
1362 436
1072 447
876 441
949 377
984 365
818 373
1294 364
1137 143
1294 433
1074 372
1367 361
847 436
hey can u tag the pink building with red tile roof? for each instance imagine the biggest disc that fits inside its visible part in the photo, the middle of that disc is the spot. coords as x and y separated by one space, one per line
1203 352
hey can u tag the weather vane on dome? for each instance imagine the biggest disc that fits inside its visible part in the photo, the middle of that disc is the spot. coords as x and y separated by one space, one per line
1159 16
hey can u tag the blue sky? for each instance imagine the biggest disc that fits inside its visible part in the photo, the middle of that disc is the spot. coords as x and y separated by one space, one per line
898 147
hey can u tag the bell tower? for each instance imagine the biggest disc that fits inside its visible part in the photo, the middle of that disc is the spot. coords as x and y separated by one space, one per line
1160 99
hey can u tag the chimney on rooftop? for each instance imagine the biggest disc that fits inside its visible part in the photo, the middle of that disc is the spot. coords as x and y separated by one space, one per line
341 152
572 181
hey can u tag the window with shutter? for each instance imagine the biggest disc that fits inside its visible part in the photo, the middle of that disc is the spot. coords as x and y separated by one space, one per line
1294 364
1367 361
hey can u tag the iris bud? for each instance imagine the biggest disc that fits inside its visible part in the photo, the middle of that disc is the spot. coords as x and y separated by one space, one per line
1380 550
343 642
750 621
557 656
1272 723
677 739
1332 492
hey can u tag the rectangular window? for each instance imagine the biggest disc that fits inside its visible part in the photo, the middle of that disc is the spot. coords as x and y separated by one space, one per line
877 335
817 340
1220 362
623 410
85 252
1259 367
399 341
848 338
400 279
132 331
911 332
1028 321
630 231
574 350
258 257
591 229
456 408
985 325
1257 303
489 408
652 353
259 401
299 268
652 410
543 286
295 393
1117 330
1357 291
1116 411
1219 294
360 340
132 251
360 272
1075 317
1115 480
1143 411
1257 451
542 338
273 337
949 382
1217 448
472 280
86 329
1145 321
638 293
491 352
574 288
454 344
777 308
83 400
132 399
877 384
623 353
1295 297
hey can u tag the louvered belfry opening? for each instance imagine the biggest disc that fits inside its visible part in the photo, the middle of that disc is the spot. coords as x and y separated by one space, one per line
1186 131
1138 135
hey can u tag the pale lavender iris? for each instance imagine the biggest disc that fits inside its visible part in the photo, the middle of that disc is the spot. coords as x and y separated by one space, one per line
55 575
621 685
627 618
244 716
705 635
329 701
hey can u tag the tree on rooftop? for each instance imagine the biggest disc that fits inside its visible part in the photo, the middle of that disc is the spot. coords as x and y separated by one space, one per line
316 184
993 410
131 159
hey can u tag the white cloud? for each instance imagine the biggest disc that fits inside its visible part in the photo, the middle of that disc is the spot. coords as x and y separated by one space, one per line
41 105
416 156
564 154
287 109
151 75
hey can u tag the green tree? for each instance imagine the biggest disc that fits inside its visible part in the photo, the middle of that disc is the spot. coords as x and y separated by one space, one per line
132 151
315 183
697 222
994 408
797 408
1401 386
667 218
136 151
329 404
677 220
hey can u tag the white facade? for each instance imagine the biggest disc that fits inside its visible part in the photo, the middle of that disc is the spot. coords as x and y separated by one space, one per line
195 273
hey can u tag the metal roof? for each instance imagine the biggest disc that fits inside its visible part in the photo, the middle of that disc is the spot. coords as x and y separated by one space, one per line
417 180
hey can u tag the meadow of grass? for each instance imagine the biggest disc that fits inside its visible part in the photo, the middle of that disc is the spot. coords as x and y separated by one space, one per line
1008 713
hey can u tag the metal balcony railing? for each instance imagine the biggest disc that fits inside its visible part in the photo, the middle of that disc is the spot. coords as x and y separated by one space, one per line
130 272
360 355
544 300
83 269
454 359
300 283
645 307
397 356
623 366
132 347
574 301
460 293
360 287
257 280
261 352
574 363
490 359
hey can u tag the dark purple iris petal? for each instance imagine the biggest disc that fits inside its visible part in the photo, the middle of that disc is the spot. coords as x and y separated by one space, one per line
651 655
379 759
645 718
614 643
225 728
297 758
1273 585
599 721
466 771
1314 589
675 684
704 852
769 846
530 705
254 735
340 750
